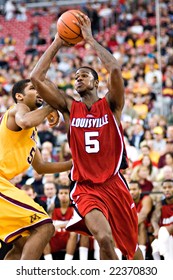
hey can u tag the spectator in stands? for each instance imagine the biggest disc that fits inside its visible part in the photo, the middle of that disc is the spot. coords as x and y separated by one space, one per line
21 13
32 41
63 179
141 176
65 152
35 28
128 109
9 9
49 146
45 133
147 150
46 155
1 36
50 191
48 178
153 170
137 134
29 189
169 133
93 14
132 152
168 149
36 182
53 29
158 143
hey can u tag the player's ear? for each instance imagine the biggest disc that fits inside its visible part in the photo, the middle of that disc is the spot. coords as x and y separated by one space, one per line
96 83
19 96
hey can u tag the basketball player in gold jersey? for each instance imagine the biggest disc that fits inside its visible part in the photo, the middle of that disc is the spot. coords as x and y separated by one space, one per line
23 222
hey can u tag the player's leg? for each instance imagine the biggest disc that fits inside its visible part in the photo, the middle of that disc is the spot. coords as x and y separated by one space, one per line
71 246
83 247
101 230
138 255
38 240
16 251
142 238
47 252
163 240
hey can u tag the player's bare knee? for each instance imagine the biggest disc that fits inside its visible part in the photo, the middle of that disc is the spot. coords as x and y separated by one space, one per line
51 229
105 240
47 229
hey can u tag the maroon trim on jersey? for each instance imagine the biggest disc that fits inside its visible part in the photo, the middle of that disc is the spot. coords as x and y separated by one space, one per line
1 119
122 146
20 231
123 178
20 204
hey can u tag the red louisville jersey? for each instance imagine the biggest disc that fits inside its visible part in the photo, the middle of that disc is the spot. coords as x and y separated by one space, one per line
57 215
166 214
96 142
59 240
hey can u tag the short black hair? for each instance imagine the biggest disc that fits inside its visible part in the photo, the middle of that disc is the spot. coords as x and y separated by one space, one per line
94 73
63 187
135 182
19 88
167 181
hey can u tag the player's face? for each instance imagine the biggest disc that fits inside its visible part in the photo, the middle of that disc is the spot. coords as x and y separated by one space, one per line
84 81
134 191
31 97
63 195
168 189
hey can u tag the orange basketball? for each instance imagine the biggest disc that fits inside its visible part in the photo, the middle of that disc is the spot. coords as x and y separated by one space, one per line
68 30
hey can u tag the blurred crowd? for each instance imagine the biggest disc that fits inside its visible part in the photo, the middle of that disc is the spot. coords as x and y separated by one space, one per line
141 39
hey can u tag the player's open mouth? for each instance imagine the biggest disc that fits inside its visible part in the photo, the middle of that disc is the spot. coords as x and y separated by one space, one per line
79 84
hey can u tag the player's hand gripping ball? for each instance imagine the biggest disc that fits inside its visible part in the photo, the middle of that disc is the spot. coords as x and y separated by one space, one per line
67 29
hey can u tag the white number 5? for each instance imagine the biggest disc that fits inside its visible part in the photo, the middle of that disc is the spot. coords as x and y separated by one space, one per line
92 145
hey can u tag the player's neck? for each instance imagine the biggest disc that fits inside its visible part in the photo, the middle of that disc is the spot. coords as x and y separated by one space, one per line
89 101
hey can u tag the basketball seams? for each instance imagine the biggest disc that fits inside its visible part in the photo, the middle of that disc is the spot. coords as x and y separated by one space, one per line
71 12
70 29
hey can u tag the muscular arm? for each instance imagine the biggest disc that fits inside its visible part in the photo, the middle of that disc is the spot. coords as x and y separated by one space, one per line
115 95
21 116
43 167
115 81
49 91
155 218
146 209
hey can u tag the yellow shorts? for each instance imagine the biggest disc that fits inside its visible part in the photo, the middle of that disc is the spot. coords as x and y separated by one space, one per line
18 212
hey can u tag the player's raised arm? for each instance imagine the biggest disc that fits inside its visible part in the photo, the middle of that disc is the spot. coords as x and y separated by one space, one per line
49 91
115 80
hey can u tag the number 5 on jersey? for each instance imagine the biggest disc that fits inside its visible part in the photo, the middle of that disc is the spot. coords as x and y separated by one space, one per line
91 145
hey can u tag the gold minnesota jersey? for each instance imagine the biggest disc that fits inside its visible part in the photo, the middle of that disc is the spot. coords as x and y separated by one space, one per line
17 149
19 213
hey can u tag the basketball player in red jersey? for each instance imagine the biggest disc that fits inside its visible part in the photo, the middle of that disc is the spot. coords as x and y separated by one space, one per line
103 205
162 222
144 207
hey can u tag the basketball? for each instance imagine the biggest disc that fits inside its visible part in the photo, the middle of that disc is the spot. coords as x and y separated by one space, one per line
67 30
